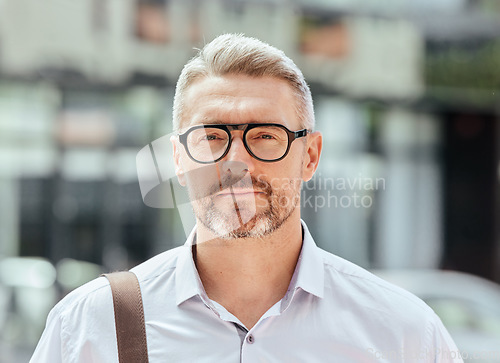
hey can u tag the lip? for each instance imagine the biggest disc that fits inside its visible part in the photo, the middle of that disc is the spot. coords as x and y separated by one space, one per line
238 192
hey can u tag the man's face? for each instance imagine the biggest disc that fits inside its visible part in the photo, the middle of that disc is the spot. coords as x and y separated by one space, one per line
240 196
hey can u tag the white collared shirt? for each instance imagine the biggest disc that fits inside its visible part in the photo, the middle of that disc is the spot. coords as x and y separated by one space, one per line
333 311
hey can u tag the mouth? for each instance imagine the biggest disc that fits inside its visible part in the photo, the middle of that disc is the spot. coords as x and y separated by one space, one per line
238 192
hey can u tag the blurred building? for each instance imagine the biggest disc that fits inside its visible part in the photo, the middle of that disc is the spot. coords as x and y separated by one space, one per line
406 95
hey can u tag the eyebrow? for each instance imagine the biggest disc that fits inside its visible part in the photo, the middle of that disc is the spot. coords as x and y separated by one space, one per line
212 122
220 122
209 121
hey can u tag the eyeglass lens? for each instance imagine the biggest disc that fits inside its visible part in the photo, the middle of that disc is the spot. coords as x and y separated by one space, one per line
265 142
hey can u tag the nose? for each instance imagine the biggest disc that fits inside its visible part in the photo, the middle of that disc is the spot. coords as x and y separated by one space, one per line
238 161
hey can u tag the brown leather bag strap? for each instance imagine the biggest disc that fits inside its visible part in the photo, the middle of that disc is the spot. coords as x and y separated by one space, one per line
129 317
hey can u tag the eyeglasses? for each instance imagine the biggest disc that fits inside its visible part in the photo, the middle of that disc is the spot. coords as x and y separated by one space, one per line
266 142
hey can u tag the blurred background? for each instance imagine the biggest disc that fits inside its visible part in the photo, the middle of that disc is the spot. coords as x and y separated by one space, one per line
407 96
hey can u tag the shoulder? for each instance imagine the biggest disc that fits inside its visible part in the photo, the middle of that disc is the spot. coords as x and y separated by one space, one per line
365 302
82 323
381 307
163 264
370 291
97 293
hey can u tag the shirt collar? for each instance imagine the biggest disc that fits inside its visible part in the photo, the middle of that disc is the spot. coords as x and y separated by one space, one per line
187 280
308 275
310 272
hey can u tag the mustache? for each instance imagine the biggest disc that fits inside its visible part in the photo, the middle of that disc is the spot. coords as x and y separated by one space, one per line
228 181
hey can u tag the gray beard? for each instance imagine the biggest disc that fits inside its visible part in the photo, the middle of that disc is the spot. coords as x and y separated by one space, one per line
261 224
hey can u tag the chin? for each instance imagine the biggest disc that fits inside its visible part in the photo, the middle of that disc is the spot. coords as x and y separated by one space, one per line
228 228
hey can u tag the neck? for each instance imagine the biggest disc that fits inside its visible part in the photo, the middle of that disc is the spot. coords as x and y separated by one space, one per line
243 273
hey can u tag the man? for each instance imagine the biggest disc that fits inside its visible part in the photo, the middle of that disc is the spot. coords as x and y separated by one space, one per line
249 285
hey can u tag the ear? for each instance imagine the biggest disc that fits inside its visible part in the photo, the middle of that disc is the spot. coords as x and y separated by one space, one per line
313 153
176 146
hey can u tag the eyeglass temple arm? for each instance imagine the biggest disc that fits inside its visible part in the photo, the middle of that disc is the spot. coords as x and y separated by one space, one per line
300 133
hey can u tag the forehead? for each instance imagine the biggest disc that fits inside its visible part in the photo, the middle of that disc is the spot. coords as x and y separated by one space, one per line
234 99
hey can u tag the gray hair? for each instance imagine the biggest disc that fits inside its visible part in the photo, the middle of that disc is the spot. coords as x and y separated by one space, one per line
237 54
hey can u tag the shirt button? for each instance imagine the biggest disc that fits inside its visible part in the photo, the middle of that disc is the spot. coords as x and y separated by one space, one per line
250 339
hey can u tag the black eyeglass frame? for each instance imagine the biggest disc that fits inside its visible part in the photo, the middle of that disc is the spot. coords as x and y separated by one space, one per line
292 135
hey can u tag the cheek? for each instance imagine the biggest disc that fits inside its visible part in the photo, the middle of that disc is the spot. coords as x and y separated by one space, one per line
201 176
286 170
297 156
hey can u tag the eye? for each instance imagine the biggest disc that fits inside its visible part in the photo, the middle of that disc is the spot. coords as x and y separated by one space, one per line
264 136
215 136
